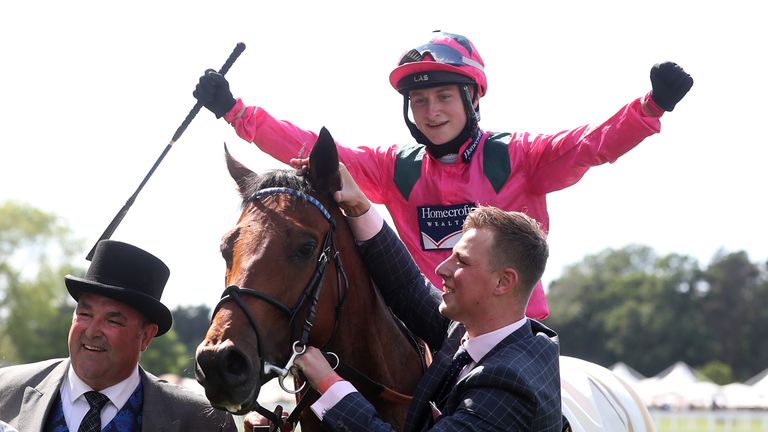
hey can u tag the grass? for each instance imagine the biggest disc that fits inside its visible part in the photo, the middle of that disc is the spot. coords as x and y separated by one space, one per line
711 421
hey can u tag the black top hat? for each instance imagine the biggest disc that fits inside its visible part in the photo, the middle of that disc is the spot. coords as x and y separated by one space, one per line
129 275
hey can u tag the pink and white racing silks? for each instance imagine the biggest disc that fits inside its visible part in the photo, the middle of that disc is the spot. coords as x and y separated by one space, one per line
429 219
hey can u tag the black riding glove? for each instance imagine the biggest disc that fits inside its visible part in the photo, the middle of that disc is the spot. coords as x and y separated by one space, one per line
213 92
670 83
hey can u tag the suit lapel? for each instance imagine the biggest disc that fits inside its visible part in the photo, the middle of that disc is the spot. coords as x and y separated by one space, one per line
420 413
155 418
37 401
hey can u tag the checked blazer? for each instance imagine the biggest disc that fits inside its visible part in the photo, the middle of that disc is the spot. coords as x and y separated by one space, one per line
515 387
28 392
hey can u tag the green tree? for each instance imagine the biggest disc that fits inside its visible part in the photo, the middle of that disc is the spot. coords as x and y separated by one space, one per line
191 323
729 308
598 296
629 305
755 332
40 313
717 372
657 319
165 355
36 251
649 312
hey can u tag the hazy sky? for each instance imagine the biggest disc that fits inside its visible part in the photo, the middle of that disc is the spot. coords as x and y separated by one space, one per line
93 91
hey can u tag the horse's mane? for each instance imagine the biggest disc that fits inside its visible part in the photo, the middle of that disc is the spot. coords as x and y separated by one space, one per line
273 178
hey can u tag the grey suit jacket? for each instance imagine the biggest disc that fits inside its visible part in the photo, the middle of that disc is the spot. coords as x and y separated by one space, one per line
27 394
515 387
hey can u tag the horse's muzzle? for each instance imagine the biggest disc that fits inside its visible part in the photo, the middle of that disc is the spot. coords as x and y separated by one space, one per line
228 375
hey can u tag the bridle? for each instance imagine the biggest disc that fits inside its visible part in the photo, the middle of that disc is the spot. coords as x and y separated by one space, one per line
308 299
309 296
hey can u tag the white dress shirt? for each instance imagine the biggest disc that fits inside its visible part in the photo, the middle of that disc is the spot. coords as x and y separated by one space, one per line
75 406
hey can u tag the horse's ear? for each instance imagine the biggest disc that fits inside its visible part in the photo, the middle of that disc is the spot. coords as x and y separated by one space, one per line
242 175
324 164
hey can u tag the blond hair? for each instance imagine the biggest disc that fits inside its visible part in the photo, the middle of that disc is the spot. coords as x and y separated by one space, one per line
519 242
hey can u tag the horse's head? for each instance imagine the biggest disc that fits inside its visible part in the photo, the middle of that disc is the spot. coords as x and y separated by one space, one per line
281 273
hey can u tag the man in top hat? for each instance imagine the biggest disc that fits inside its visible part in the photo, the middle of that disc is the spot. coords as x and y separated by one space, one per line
101 385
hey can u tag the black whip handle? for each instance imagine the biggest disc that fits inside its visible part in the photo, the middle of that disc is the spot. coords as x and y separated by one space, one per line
124 210
239 48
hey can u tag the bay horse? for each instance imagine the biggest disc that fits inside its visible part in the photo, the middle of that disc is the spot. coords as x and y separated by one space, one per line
294 278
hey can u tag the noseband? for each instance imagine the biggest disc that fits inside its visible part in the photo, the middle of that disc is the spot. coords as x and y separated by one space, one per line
309 296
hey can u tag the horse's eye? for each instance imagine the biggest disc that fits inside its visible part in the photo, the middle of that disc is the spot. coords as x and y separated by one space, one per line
307 249
227 245
226 253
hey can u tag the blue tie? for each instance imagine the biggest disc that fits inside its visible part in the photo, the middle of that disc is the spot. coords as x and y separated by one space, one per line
460 359
92 420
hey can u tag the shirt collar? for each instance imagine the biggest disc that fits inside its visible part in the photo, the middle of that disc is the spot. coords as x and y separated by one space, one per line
118 394
479 346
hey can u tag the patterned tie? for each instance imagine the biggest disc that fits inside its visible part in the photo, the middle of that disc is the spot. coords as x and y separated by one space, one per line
92 420
460 359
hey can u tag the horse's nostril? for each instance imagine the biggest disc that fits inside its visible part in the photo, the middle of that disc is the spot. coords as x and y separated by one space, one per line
235 363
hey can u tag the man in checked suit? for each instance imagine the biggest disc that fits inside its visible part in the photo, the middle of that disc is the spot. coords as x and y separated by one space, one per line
118 313
512 381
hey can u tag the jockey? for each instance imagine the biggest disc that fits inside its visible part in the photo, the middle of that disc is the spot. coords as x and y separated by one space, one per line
429 186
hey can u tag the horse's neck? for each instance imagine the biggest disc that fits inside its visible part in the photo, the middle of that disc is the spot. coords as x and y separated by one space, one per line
369 337
378 341
365 302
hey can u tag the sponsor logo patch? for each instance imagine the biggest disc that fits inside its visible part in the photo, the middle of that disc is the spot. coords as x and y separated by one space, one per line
440 226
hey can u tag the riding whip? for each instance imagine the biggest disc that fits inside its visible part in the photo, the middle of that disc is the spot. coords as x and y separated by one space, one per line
192 113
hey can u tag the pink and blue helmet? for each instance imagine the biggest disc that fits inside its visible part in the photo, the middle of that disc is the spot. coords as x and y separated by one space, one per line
446 59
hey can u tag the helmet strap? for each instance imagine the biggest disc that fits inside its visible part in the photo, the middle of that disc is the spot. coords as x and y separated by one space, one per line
473 115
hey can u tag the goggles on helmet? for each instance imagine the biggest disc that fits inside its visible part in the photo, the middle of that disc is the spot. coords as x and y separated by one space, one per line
441 54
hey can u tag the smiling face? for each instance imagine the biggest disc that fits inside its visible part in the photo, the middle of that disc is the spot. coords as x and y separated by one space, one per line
105 340
438 112
469 279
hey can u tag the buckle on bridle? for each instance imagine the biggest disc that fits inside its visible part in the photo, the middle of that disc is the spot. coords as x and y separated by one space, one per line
284 371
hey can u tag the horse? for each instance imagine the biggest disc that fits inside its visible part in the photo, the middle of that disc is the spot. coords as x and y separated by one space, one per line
293 278
277 255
